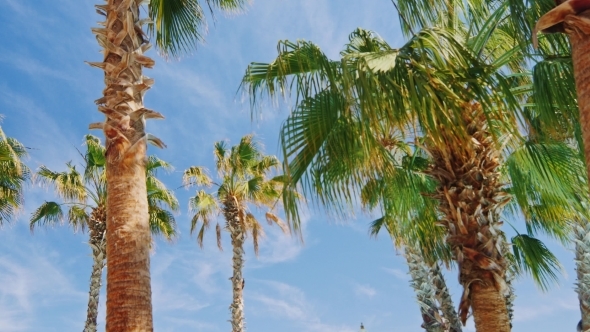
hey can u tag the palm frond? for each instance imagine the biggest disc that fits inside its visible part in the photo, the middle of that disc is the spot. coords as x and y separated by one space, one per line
48 214
69 184
78 217
202 206
196 175
162 222
178 25
532 256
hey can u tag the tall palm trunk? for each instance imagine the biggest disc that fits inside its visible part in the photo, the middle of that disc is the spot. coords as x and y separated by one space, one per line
129 306
425 291
235 225
582 245
572 17
580 41
97 228
470 198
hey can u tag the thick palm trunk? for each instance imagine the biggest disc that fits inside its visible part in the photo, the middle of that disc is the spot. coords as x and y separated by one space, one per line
432 320
235 224
580 41
582 245
97 226
129 306
470 196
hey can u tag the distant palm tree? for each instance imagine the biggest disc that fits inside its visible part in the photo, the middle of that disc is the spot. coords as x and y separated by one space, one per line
177 25
13 175
243 172
85 195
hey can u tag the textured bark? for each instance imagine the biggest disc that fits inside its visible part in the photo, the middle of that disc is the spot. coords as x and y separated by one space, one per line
234 216
97 227
579 32
578 29
432 320
128 302
129 306
582 245
488 306
445 300
471 198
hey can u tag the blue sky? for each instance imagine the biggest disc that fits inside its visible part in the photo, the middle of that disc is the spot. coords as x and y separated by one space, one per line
339 278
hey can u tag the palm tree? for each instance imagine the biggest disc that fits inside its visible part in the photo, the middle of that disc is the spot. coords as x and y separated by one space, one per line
560 68
85 196
445 90
243 171
177 26
13 174
571 17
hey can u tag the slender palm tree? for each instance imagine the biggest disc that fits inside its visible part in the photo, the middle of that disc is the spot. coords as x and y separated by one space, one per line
13 175
243 171
84 195
177 27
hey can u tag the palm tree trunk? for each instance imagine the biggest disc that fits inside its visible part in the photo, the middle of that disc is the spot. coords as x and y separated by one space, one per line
98 256
580 42
425 292
236 228
582 245
489 307
129 306
97 229
445 300
471 199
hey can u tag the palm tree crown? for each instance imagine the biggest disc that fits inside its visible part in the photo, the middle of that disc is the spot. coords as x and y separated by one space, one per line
243 171
13 175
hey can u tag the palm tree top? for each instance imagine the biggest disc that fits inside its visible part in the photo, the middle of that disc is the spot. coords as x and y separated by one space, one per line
243 172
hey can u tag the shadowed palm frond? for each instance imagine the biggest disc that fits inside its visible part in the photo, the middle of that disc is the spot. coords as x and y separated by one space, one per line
48 214
533 257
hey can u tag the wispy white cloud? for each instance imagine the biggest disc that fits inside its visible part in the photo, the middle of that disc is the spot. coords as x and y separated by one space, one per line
364 290
30 275
288 302
398 273
529 312
34 67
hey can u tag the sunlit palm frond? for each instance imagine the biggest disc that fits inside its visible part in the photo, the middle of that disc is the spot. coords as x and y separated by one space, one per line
254 228
78 217
309 68
162 222
203 206
69 184
546 180
196 175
